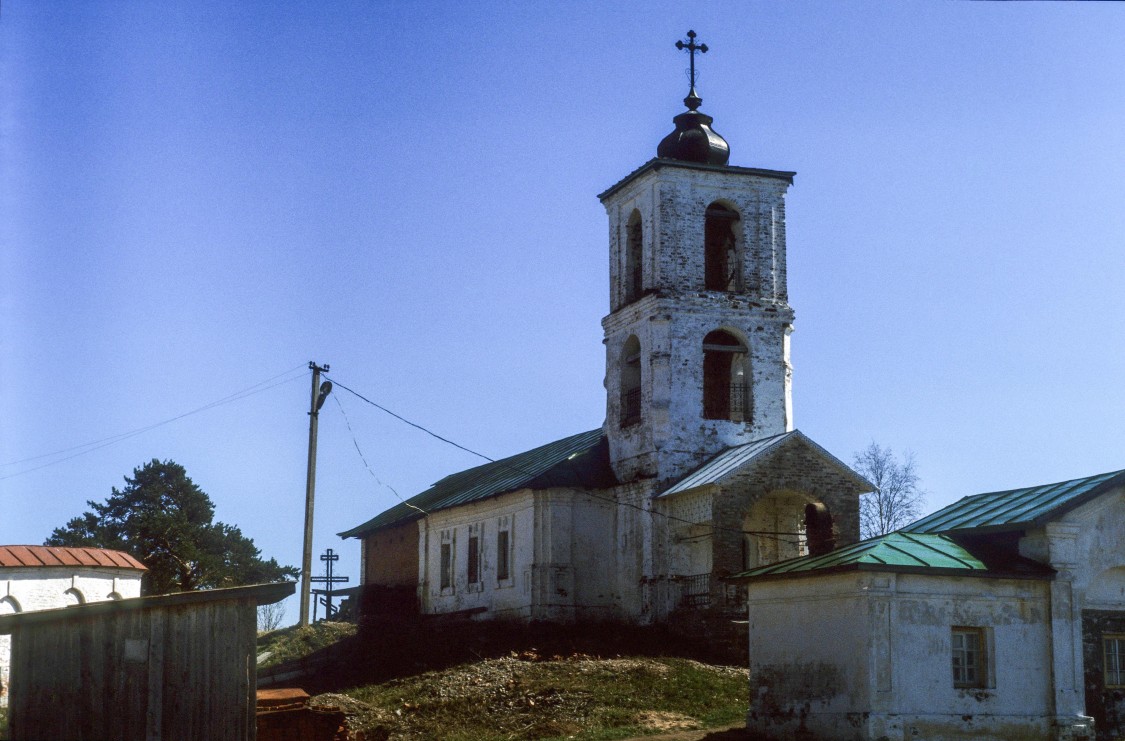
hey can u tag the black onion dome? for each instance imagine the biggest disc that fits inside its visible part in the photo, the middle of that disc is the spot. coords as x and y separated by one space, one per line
694 140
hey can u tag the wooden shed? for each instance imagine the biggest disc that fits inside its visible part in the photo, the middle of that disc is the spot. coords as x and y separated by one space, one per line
175 666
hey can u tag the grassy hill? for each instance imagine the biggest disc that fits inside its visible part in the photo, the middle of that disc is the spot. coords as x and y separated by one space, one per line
527 697
485 681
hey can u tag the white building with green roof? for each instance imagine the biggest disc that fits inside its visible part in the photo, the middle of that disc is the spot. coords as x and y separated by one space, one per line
1001 616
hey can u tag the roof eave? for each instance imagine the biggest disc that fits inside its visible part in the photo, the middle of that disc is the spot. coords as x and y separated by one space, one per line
658 162
894 569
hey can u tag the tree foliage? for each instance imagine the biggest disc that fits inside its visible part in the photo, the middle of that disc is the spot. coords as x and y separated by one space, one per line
164 520
898 501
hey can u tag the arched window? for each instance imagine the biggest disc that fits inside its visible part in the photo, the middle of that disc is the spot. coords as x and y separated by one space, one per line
774 529
631 382
722 267
634 252
818 528
726 378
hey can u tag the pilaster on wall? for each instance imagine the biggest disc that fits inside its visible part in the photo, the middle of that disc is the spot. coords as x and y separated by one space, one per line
1066 623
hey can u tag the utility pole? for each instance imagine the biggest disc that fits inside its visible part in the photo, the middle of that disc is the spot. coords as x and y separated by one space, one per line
319 394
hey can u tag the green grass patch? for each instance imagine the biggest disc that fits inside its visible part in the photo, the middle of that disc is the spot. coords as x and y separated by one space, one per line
296 642
578 697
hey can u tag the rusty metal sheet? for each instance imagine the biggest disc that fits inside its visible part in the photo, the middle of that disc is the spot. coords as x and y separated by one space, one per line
36 556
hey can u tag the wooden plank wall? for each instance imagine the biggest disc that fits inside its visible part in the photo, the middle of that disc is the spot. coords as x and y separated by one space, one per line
173 672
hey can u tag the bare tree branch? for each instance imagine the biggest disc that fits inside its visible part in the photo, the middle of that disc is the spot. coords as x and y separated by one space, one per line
898 501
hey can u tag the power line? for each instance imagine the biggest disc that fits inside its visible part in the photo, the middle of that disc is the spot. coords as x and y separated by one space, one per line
429 432
776 535
90 447
363 458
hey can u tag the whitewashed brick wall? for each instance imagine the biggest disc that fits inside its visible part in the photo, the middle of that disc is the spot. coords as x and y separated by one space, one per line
43 588
676 313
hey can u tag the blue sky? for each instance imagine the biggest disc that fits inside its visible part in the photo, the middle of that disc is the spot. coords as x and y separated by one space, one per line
200 196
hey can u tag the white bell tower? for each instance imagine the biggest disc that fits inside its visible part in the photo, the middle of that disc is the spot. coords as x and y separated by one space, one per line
697 341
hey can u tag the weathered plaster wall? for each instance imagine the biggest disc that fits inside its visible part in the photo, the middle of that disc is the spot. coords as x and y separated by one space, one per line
866 655
1087 549
676 313
562 544
45 588
500 598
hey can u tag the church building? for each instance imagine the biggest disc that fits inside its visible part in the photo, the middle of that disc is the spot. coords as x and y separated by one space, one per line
697 471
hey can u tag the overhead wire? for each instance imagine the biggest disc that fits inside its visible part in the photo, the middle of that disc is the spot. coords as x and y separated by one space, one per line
90 447
775 535
367 465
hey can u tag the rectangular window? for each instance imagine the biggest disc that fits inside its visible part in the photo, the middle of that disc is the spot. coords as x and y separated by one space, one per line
969 666
447 542
474 558
503 562
1114 651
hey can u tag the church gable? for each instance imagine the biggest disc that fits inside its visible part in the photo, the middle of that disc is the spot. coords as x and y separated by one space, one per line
776 498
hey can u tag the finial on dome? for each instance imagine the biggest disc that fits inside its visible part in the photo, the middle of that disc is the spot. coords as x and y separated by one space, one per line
692 101
694 140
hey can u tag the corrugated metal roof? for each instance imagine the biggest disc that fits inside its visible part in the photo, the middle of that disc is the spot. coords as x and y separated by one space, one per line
734 458
579 460
895 551
57 556
1016 508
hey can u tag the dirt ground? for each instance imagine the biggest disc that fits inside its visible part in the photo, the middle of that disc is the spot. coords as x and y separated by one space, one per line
734 732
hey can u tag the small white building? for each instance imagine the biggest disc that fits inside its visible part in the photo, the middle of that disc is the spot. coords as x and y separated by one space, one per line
1001 616
37 577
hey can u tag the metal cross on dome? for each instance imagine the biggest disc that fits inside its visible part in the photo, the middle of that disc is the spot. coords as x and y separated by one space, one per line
692 100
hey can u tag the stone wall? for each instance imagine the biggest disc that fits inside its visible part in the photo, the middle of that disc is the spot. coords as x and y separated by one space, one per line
796 469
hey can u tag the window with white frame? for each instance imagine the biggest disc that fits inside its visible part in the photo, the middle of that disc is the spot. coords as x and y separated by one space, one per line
472 563
970 665
446 556
504 551
1113 649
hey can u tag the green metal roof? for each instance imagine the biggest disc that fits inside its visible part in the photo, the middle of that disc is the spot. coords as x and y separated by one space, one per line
579 460
893 552
1016 509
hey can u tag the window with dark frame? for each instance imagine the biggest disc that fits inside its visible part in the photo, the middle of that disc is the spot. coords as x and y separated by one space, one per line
720 256
474 559
631 382
970 668
503 563
1113 651
634 241
446 565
